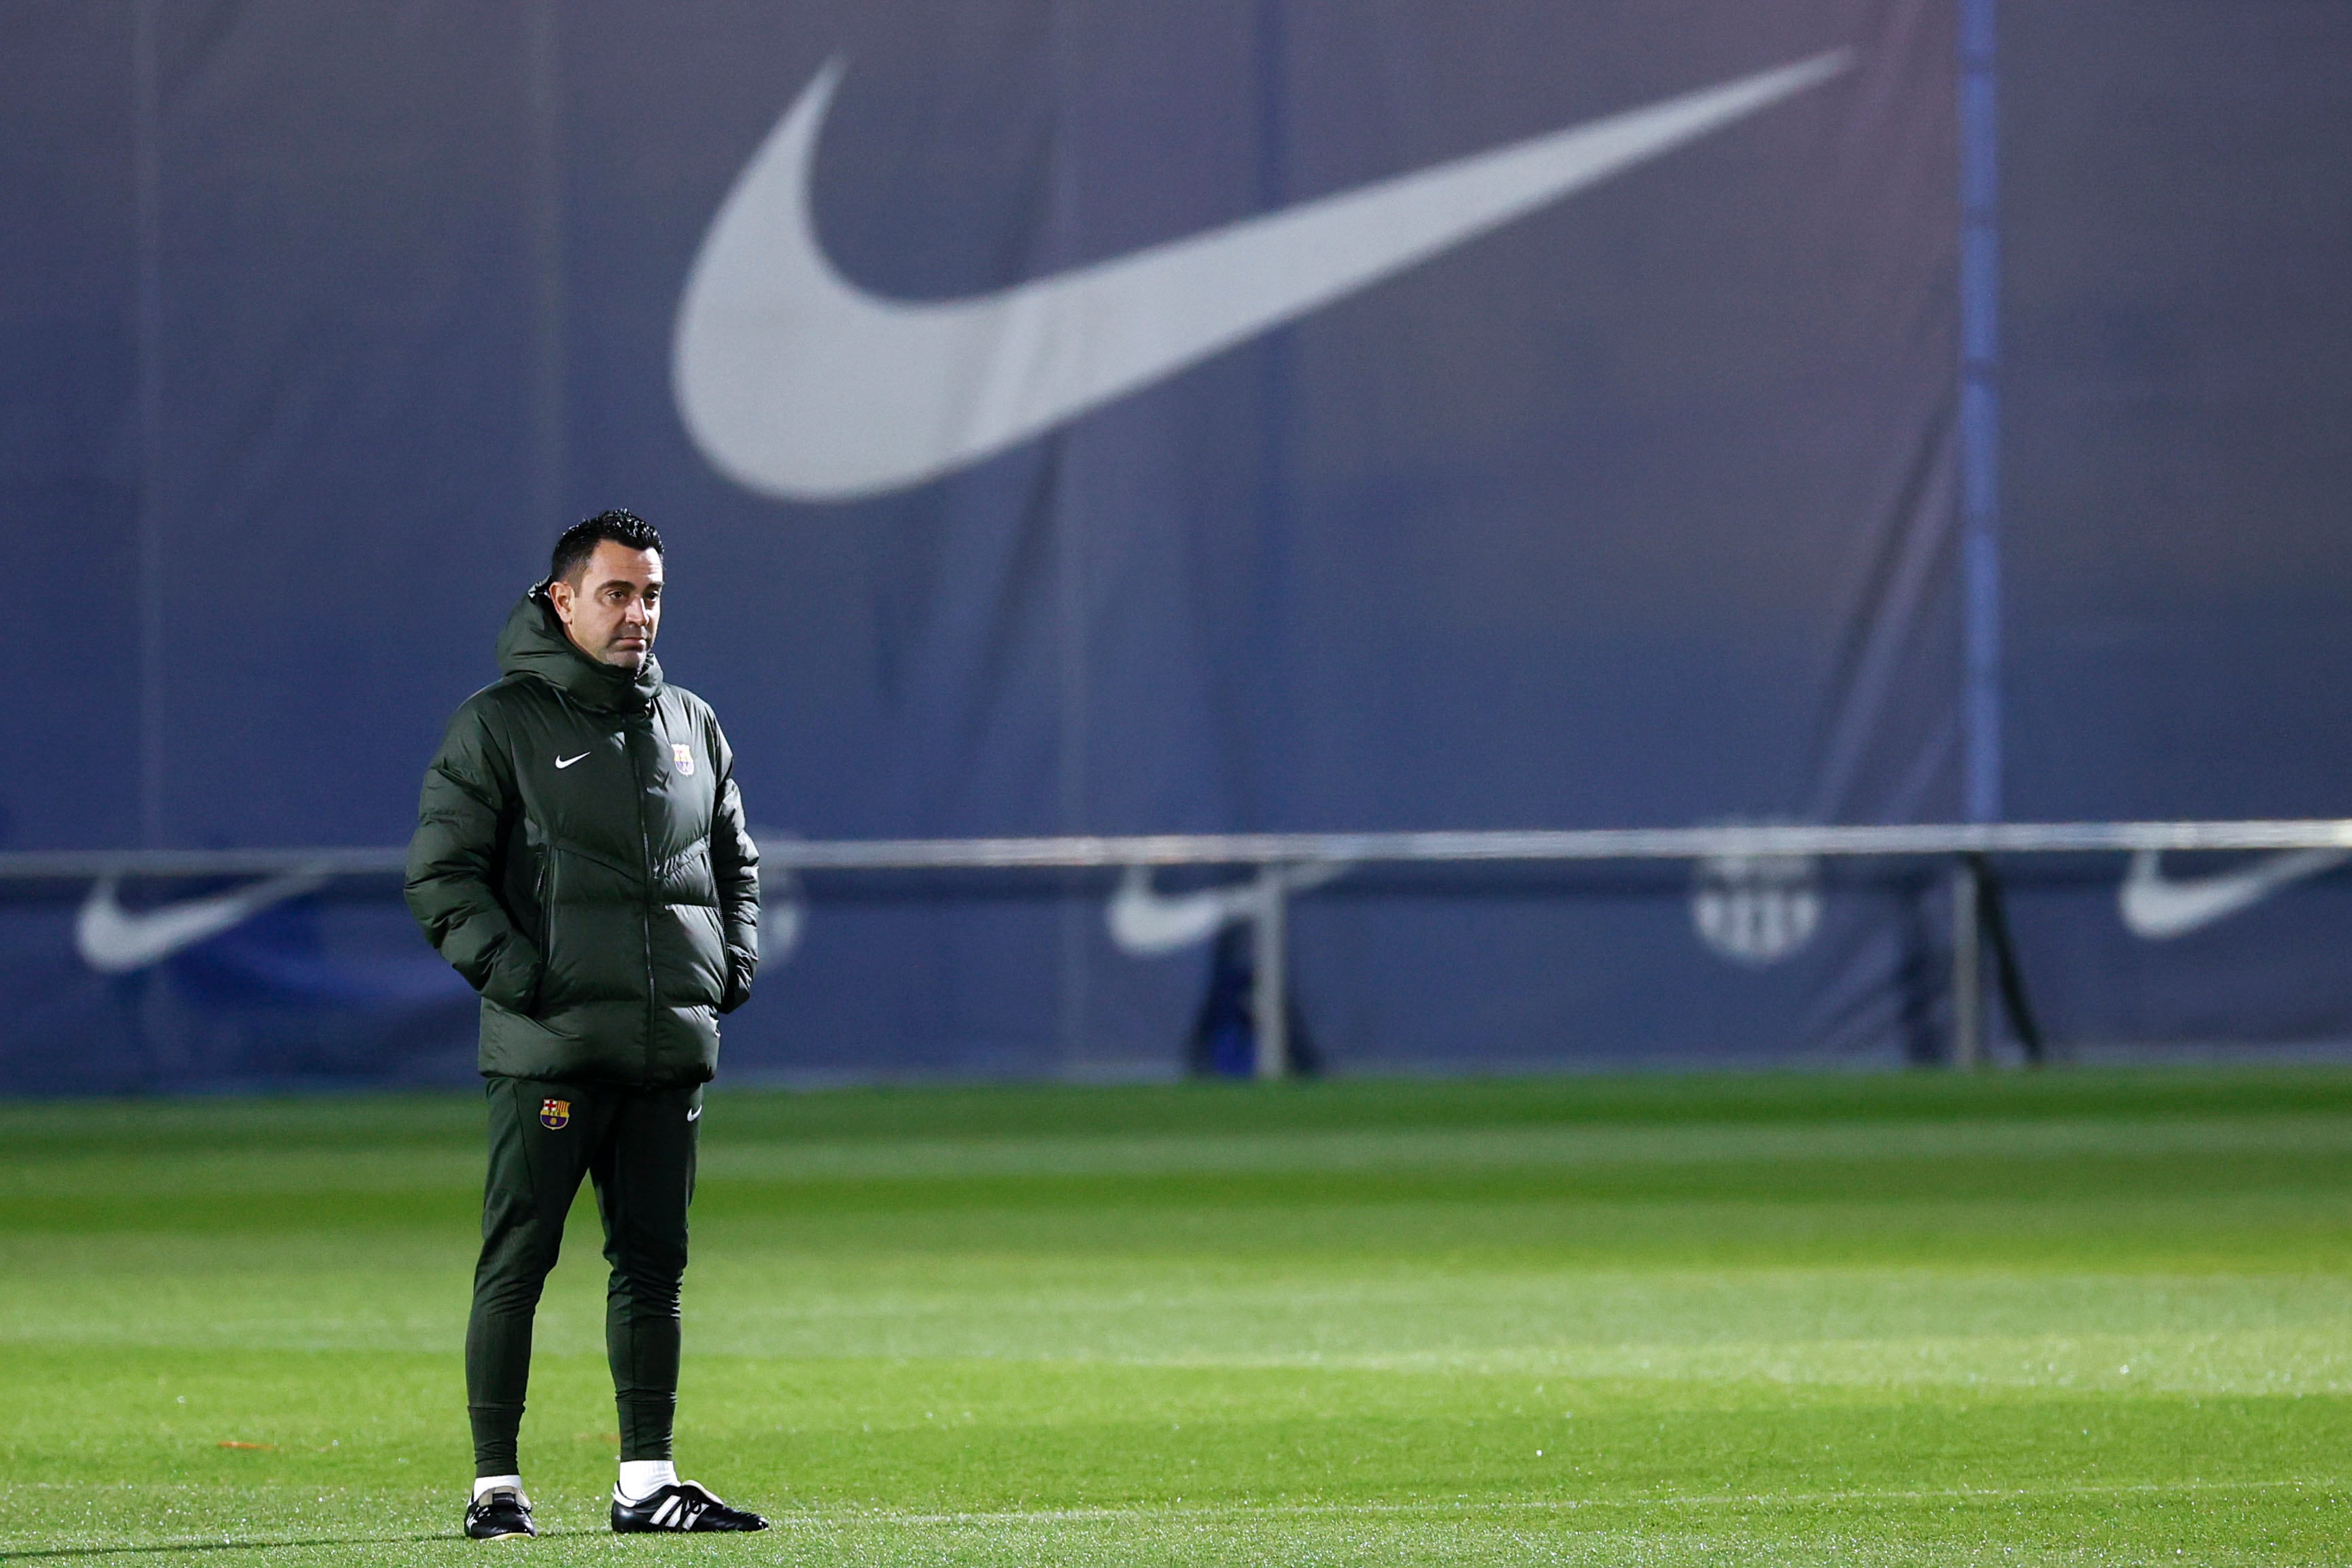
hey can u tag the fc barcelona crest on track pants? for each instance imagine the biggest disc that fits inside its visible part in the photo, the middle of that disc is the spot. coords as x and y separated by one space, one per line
637 1145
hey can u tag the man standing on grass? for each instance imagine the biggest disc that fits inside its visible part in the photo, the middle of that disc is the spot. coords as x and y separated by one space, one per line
579 857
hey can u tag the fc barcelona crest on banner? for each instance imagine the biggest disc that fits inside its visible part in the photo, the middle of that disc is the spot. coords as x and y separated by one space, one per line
683 755
555 1113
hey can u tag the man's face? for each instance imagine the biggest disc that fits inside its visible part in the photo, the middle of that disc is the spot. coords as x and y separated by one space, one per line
613 609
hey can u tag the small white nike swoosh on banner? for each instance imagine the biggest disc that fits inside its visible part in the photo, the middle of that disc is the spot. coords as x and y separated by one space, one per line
695 1114
1147 924
115 941
2157 907
562 762
784 911
797 383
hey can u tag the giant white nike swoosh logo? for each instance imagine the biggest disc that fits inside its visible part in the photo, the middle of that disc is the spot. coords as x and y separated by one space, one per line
2157 907
114 941
799 384
1146 923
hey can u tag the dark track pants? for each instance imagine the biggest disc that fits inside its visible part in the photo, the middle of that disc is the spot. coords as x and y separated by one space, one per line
637 1147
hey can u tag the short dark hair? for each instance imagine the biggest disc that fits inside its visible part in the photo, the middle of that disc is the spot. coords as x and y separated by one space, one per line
579 542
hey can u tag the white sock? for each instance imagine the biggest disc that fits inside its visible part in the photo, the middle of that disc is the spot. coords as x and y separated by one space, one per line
490 1483
640 1478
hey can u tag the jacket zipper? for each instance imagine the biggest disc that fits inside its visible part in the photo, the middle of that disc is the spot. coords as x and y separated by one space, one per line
547 896
645 851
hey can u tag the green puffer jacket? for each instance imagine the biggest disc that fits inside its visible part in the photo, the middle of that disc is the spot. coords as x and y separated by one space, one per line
581 858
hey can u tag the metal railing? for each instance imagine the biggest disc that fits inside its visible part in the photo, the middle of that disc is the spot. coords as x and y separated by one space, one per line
1278 857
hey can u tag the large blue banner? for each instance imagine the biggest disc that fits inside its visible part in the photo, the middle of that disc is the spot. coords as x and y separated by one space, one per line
1252 415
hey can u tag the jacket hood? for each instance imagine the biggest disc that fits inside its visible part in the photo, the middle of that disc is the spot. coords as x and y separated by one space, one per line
534 643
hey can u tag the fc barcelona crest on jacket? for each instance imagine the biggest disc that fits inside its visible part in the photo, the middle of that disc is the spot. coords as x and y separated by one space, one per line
554 1114
683 755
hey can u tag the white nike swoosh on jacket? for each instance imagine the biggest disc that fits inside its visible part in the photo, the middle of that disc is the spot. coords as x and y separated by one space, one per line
115 941
797 383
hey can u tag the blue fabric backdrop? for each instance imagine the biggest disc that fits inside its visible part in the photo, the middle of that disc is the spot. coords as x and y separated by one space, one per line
1636 509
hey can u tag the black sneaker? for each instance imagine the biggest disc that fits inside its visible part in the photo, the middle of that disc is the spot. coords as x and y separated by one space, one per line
689 1505
498 1513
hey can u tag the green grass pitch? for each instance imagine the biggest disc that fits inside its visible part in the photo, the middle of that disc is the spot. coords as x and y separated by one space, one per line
2070 1317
